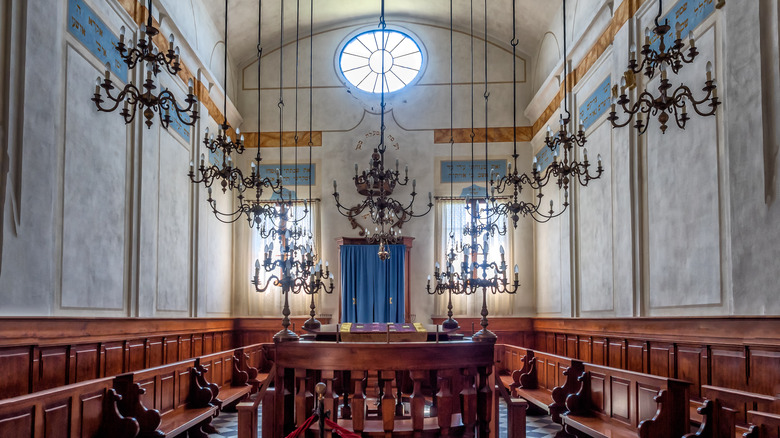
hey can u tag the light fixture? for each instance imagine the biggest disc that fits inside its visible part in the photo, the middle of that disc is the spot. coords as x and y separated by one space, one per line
377 183
512 183
477 272
666 103
254 210
222 146
446 282
297 270
144 99
565 170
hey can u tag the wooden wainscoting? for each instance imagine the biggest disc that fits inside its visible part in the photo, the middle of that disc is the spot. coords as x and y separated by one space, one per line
733 352
44 353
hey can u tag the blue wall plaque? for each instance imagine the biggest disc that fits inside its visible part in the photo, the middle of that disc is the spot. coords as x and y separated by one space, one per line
461 170
687 13
306 176
95 35
596 105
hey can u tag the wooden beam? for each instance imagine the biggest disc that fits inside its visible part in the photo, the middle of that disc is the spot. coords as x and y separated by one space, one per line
271 139
495 135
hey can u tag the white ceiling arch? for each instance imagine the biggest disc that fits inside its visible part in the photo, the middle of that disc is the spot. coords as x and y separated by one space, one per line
533 19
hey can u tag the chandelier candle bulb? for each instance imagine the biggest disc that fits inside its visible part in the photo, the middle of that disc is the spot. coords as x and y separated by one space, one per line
97 86
396 165
691 40
632 51
585 154
356 172
709 70
648 32
108 71
170 41
599 157
202 159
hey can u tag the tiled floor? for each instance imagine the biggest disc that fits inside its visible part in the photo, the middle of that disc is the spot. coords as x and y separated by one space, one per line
536 427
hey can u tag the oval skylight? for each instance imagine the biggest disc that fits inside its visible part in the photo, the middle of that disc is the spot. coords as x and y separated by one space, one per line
363 58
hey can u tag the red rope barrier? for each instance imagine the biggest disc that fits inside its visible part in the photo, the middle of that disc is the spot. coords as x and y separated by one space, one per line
306 424
340 430
332 424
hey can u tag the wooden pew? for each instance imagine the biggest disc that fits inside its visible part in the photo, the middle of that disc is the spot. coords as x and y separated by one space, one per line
764 425
253 361
223 371
168 400
725 411
544 380
81 410
618 403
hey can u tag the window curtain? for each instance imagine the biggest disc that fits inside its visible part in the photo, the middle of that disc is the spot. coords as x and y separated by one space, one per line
451 218
271 301
372 289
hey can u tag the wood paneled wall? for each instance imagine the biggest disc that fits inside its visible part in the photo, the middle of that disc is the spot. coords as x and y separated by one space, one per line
42 353
733 352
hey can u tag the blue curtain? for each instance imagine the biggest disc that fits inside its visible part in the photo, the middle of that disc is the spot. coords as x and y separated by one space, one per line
372 290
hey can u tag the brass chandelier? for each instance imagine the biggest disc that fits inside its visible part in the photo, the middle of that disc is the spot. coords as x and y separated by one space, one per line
378 182
294 268
477 272
564 170
667 103
446 282
144 99
254 209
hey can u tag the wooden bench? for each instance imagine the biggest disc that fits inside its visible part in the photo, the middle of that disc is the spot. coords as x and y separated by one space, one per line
763 425
544 380
230 383
725 411
168 400
254 362
616 403
80 410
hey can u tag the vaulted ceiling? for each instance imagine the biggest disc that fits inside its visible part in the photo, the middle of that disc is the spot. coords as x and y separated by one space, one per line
533 18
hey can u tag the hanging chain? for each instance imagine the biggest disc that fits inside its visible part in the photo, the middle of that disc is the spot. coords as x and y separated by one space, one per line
382 147
224 105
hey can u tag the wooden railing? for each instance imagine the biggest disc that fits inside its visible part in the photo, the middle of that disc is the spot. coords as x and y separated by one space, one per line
446 388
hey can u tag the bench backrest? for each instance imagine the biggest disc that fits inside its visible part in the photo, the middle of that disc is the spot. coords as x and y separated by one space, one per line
220 366
629 397
80 410
741 401
167 387
549 367
765 425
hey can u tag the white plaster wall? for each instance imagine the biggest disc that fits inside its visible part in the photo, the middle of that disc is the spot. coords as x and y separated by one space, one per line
689 211
94 198
106 222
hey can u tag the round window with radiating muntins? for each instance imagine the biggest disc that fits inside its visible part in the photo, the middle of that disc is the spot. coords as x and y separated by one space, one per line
368 55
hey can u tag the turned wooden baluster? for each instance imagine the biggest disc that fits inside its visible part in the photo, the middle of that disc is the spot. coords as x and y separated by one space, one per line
345 382
444 398
358 401
484 401
417 402
468 400
399 406
388 403
330 403
304 399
